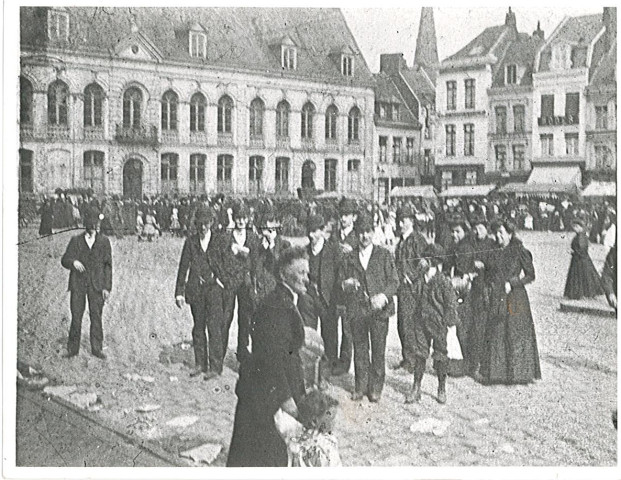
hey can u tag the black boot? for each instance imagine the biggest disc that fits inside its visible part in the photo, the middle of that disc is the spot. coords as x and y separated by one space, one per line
441 369
414 395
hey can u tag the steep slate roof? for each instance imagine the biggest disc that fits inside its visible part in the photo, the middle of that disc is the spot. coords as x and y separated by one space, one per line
579 32
387 91
482 44
604 73
246 38
420 84
426 53
521 52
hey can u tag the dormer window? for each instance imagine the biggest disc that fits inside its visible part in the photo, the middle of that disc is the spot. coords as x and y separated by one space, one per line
58 25
511 75
198 44
561 57
347 65
288 57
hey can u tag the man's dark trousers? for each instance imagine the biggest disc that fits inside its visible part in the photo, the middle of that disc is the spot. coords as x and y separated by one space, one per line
95 307
208 314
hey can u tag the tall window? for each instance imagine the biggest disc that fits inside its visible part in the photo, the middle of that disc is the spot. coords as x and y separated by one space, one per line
409 145
255 174
547 106
168 172
602 156
451 95
198 44
501 158
169 110
25 171
57 103
308 174
132 107
470 91
519 118
571 144
225 114
197 172
601 118
511 75
288 58
282 119
572 108
471 177
332 115
353 125
93 168
224 173
396 149
469 139
282 174
450 140
347 65
256 117
198 105
330 175
93 105
57 25
547 145
383 147
447 179
427 162
308 111
25 101
501 120
518 157
353 175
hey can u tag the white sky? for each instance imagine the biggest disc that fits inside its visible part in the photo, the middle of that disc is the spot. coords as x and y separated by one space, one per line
394 30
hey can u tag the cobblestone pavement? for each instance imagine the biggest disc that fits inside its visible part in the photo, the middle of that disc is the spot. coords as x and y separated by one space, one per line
562 420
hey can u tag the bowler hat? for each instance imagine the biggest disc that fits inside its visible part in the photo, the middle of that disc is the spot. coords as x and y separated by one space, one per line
91 218
315 222
240 210
203 216
347 206
406 211
364 223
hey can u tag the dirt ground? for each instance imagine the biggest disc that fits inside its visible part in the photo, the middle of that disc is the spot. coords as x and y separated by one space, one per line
562 420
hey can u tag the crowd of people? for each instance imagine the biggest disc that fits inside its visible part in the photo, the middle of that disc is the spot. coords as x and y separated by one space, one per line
458 271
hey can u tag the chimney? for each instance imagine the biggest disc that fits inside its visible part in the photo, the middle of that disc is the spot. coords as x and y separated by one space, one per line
392 63
609 18
539 33
510 20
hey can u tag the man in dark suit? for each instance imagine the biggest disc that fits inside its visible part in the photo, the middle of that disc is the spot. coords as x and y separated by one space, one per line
324 259
271 378
346 240
407 256
89 259
238 257
369 280
198 285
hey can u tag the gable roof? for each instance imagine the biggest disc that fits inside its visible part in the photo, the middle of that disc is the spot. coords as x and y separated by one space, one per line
236 37
420 84
387 91
484 44
521 52
605 72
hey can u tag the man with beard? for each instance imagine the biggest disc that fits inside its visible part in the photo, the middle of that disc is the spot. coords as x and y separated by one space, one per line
199 286
407 255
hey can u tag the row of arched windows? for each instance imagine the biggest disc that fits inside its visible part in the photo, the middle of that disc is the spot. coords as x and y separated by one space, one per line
133 103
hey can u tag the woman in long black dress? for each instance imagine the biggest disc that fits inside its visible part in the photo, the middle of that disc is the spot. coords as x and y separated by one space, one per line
47 218
510 350
582 278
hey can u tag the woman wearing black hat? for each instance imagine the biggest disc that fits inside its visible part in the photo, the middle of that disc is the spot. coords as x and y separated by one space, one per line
582 278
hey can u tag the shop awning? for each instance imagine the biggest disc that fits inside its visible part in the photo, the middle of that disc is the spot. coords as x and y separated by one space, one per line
424 191
600 189
539 188
548 179
467 191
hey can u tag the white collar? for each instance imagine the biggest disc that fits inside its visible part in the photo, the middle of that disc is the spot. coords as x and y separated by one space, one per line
346 231
205 241
295 295
407 234
316 249
429 274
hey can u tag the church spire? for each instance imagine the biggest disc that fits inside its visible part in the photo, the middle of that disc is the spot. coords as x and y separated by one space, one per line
426 54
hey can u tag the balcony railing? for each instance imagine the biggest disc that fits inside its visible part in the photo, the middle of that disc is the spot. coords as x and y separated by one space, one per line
58 132
26 131
308 144
143 134
354 146
93 133
256 141
170 136
225 139
552 120
332 144
224 186
283 142
198 138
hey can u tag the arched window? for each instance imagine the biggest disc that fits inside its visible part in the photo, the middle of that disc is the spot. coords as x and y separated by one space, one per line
282 119
132 107
198 104
353 125
256 117
93 104
308 174
224 179
25 101
255 174
308 111
170 101
225 114
282 174
332 114
93 168
168 172
353 176
57 103
197 172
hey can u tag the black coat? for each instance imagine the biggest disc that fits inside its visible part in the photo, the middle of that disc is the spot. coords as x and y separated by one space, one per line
237 270
197 269
327 284
271 375
97 261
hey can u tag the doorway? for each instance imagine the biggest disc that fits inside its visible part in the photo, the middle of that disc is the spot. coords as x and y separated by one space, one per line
132 179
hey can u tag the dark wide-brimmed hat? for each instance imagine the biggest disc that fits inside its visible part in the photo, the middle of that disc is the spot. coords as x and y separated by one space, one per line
203 216
315 222
364 223
240 210
406 211
92 217
347 206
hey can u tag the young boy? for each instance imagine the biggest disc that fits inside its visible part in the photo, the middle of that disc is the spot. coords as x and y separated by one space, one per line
438 312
